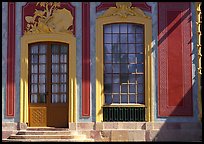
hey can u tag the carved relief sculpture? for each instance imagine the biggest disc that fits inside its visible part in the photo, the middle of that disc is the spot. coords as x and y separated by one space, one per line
49 20
124 10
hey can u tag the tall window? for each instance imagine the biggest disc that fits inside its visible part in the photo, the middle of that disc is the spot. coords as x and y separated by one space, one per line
124 63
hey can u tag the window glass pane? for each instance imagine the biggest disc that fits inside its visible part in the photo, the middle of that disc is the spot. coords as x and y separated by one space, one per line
123 48
108 88
108 99
131 48
116 88
108 68
124 98
116 98
123 58
34 58
124 88
132 68
42 68
116 68
34 49
108 78
131 28
55 88
41 78
140 88
140 78
132 88
107 29
124 68
132 98
139 38
132 78
108 58
139 29
140 98
131 38
123 28
123 78
131 58
123 38
115 48
107 38
116 58
140 68
139 48
116 78
115 28
42 48
139 58
115 38
108 48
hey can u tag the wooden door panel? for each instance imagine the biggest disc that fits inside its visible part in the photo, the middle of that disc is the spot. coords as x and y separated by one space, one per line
48 84
38 116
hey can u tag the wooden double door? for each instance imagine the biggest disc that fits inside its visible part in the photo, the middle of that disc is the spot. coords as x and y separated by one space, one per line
48 84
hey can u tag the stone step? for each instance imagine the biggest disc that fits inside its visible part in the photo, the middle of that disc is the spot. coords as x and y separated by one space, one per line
47 132
47 129
48 140
47 137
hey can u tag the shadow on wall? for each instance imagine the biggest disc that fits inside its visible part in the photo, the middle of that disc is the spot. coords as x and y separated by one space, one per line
178 131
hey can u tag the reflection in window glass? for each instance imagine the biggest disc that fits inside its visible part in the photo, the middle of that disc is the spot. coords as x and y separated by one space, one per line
123 63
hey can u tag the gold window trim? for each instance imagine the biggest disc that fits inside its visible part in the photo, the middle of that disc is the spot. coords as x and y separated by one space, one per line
123 13
54 37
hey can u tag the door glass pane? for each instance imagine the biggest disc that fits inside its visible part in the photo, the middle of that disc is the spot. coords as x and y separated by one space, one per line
34 88
42 68
42 78
55 68
63 98
64 49
34 59
42 48
63 78
42 98
55 88
63 58
55 78
42 88
55 58
42 59
34 78
63 68
34 49
63 88
34 68
34 98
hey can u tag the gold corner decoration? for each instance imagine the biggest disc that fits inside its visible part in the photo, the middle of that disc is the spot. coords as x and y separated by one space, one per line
123 9
199 22
50 20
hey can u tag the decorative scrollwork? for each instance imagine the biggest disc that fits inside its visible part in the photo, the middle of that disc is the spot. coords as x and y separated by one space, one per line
49 20
123 9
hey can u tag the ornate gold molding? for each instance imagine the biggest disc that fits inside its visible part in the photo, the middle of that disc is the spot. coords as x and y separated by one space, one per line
124 9
49 20
199 22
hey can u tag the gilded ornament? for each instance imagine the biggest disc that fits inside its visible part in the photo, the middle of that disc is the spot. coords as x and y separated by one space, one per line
50 20
123 9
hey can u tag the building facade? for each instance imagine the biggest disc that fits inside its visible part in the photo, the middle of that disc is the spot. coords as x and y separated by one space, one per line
112 70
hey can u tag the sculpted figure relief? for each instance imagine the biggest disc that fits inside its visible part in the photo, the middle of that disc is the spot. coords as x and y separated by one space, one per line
50 20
